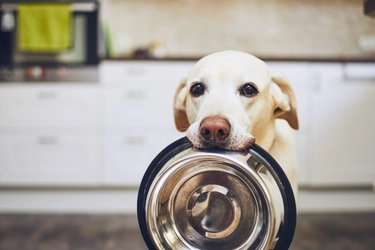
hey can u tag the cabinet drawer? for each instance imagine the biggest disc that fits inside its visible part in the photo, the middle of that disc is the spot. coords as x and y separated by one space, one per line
128 154
48 159
130 71
138 106
28 106
122 73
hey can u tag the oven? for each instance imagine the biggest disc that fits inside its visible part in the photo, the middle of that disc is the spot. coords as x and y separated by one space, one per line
77 62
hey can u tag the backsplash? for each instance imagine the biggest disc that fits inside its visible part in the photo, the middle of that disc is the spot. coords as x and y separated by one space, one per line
274 29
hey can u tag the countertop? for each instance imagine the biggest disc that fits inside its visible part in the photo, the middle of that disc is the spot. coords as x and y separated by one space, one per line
280 59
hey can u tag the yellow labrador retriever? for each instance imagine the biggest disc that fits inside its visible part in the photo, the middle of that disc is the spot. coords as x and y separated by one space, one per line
231 99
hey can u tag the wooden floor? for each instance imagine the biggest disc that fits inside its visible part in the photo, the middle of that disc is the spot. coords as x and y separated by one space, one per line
116 232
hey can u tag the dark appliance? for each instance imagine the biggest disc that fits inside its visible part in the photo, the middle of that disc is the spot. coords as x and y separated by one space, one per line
369 8
78 63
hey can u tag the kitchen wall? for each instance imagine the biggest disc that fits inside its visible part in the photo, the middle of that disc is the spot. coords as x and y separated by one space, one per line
274 29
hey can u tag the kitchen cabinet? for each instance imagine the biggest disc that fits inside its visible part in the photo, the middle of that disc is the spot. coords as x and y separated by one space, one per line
48 105
49 134
335 107
129 152
342 150
107 133
48 159
138 116
137 105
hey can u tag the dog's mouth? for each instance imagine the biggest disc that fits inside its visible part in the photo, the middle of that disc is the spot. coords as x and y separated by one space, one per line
214 144
233 143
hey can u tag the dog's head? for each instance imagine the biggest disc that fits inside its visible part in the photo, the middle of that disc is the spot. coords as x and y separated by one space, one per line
230 98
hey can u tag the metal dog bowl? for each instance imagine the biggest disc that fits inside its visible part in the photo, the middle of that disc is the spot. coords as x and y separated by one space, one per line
215 199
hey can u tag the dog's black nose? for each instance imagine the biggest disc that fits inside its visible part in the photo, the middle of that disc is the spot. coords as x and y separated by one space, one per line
214 129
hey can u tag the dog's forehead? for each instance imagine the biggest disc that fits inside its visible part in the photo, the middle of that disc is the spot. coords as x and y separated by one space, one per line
229 64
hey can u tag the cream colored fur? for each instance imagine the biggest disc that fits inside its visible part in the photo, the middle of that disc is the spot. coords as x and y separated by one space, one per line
269 116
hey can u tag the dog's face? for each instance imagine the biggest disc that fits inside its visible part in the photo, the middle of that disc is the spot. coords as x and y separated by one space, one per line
231 98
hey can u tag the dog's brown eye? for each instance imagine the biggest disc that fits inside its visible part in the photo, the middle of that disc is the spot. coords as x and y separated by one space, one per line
197 89
248 90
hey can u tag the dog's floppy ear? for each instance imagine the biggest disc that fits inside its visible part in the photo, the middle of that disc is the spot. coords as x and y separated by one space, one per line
285 100
179 107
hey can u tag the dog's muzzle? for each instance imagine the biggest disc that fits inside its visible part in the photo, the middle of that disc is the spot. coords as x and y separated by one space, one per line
217 132
191 198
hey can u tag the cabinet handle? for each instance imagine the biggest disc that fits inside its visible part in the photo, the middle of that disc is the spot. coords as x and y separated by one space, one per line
135 94
134 140
359 72
134 71
47 140
43 95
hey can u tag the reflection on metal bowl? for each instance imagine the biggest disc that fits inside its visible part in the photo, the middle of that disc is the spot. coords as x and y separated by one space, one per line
215 199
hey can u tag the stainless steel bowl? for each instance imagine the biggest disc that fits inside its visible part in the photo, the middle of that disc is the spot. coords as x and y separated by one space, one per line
215 199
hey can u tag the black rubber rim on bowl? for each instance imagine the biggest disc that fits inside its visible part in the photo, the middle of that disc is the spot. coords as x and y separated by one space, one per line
288 227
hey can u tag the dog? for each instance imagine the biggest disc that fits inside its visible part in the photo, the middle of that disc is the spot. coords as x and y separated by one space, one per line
231 100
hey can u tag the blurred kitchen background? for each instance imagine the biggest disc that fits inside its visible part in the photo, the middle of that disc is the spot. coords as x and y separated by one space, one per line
83 115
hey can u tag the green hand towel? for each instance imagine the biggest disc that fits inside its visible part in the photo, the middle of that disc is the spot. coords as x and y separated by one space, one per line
44 27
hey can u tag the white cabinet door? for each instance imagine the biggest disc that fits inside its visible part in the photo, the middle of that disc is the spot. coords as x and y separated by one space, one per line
139 94
128 153
115 73
343 151
48 106
138 116
48 159
138 104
